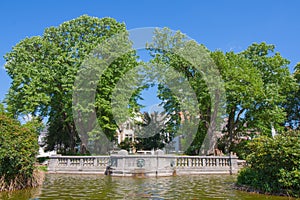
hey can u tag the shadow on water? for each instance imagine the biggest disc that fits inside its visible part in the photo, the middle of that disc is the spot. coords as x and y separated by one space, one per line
58 186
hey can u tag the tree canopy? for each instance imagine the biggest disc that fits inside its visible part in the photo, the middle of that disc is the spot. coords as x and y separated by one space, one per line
43 71
258 83
190 117
198 88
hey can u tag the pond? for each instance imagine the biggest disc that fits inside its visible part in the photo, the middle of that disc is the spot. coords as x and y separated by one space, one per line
62 186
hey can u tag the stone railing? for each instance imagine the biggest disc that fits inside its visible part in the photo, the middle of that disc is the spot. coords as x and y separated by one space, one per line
71 164
157 164
206 164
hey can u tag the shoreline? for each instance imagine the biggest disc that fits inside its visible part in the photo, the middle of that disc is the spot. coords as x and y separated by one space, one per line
250 189
18 183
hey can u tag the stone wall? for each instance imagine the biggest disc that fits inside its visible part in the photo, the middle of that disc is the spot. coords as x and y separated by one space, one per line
155 164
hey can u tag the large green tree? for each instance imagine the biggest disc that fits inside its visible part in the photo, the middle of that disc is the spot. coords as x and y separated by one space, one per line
244 86
103 99
43 71
278 82
258 83
191 60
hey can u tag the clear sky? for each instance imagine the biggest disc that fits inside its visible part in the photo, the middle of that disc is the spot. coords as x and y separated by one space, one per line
223 24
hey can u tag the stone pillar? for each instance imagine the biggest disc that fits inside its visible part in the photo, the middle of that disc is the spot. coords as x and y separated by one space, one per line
233 163
53 163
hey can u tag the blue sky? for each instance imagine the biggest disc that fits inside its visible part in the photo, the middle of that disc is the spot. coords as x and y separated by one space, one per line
225 25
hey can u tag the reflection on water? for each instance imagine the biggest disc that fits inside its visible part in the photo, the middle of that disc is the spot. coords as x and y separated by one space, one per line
103 187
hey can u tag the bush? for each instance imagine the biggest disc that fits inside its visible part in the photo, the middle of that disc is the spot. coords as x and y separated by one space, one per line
238 146
18 149
42 160
274 164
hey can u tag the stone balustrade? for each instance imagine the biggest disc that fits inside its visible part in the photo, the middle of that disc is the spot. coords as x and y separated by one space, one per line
82 164
206 164
157 164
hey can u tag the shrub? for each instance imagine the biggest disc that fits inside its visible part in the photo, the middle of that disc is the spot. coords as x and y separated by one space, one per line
274 164
18 149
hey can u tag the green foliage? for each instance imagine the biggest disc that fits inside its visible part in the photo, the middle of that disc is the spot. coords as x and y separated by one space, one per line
257 83
292 105
109 80
18 149
42 168
167 51
273 164
277 84
100 89
44 68
239 147
152 133
244 86
127 144
43 71
40 160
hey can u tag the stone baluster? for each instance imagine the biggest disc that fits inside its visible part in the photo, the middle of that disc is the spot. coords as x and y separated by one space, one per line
95 162
81 162
53 163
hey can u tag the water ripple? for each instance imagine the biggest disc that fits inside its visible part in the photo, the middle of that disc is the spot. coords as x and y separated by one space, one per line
65 187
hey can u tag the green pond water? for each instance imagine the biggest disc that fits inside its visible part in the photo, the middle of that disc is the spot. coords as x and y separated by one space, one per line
59 186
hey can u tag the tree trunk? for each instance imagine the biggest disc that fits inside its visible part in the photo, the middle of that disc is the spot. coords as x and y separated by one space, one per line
230 127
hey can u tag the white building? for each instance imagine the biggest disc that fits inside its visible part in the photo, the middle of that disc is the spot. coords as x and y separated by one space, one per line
41 141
